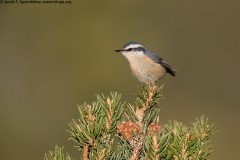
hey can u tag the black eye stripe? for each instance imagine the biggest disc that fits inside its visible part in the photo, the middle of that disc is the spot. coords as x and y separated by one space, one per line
131 49
136 49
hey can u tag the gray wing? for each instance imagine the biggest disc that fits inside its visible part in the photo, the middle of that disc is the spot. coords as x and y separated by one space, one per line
156 58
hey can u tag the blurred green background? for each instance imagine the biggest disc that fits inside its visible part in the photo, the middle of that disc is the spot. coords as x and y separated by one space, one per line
53 57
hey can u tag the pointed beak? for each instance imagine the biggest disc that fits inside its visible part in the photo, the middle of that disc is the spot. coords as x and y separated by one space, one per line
119 50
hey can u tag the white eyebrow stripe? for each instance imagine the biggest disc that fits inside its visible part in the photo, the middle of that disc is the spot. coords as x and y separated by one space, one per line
133 46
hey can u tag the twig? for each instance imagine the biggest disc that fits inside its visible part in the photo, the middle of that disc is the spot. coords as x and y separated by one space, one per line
85 152
138 145
137 149
184 147
150 96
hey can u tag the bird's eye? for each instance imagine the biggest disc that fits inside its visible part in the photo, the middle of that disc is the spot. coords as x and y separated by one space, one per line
130 49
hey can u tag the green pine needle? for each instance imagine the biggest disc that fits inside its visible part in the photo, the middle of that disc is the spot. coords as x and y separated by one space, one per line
57 155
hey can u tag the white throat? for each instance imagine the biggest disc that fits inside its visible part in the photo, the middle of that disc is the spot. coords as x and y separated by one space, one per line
133 55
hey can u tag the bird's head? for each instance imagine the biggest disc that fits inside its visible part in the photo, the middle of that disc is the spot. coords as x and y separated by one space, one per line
132 49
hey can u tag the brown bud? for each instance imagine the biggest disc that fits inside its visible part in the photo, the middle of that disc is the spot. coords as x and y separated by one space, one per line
126 129
154 128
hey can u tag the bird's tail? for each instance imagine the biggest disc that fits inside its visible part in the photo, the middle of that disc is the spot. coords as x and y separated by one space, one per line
172 72
169 69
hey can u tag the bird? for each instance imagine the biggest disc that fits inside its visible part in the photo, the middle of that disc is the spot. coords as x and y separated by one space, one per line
146 66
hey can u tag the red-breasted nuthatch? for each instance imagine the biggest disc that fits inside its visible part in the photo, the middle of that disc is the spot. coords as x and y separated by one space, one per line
146 65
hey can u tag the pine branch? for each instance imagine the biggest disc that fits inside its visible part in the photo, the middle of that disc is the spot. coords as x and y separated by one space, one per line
145 102
108 130
96 125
